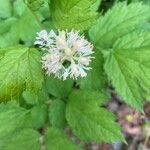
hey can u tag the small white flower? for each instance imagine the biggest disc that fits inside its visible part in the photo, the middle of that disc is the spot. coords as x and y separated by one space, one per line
67 53
45 39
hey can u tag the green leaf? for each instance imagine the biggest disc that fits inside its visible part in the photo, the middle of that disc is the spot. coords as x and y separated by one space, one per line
96 5
133 40
118 21
20 69
89 121
30 98
12 118
5 9
145 26
19 7
45 12
39 116
22 27
9 38
95 79
26 27
34 4
127 66
55 140
57 114
26 139
43 95
95 97
59 88
6 24
73 14
147 2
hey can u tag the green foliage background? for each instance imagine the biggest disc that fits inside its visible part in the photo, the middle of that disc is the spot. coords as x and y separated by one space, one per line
35 109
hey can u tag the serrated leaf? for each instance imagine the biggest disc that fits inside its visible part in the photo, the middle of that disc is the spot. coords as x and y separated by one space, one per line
12 118
127 66
133 40
95 79
56 139
57 114
89 121
59 88
26 139
20 69
118 21
73 14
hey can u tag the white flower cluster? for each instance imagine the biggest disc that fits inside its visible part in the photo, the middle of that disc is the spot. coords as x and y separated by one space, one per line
67 54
